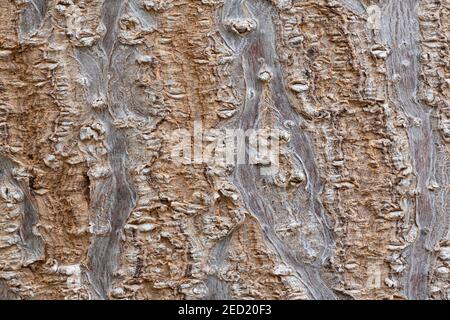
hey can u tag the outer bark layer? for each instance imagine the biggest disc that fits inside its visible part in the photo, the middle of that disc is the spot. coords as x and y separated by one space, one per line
93 205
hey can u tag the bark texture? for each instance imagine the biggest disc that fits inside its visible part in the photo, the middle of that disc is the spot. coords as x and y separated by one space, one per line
93 205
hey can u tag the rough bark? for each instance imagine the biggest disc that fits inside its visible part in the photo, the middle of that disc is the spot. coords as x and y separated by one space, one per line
93 204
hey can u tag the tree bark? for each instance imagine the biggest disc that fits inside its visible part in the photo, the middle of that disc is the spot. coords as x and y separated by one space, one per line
224 149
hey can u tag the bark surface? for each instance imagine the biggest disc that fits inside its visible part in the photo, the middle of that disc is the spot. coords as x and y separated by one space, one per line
96 95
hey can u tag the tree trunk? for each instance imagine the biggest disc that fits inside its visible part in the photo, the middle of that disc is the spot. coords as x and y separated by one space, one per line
224 149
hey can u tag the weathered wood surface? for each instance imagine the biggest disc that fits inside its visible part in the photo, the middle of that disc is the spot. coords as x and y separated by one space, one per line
95 205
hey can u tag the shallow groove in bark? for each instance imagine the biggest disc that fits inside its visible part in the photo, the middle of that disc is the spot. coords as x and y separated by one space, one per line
32 17
400 30
32 243
116 194
217 288
256 47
